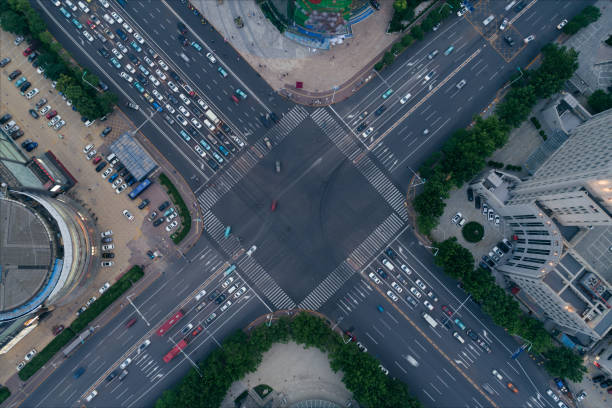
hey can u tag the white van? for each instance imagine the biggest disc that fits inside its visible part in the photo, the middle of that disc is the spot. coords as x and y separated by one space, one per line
213 118
458 337
83 7
110 157
231 290
70 5
488 20
209 125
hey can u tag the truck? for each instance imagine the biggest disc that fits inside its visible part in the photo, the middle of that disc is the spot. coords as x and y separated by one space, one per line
175 350
429 320
213 118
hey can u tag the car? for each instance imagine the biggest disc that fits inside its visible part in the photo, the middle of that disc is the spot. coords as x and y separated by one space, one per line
103 52
91 396
428 305
30 354
529 39
462 11
498 251
405 98
581 396
107 263
144 345
387 93
78 372
107 172
108 19
126 76
87 35
429 76
128 215
382 273
104 288
485 209
107 233
491 214
14 74
106 131
361 347
181 120
20 81
4 62
239 292
497 375
504 24
90 301
28 51
125 363
33 113
187 328
374 278
31 146
411 300
367 132
163 206
171 226
154 80
149 62
227 282
196 46
184 99
432 296
158 221
240 93
18 40
184 111
198 125
397 287
277 166
406 269
420 284
561 24
115 63
362 126
163 65
383 369
509 40
108 255
432 54
172 86
552 395
461 84
446 309
460 324
415 292
139 38
507 243
161 74
456 218
512 388
135 46
493 256
387 264
497 219
220 299
211 58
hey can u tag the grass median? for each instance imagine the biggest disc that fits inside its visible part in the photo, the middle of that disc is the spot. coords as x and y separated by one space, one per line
81 322
178 201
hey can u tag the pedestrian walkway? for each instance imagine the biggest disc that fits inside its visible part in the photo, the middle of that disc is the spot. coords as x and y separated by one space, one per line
216 230
264 282
337 132
385 156
383 185
328 287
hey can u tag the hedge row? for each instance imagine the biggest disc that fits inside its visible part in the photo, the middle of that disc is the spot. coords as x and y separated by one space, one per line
176 198
241 354
4 394
81 322
272 14
588 15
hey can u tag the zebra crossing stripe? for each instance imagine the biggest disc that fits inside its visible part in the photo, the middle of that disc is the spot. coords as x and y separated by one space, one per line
383 185
264 282
216 230
376 240
336 132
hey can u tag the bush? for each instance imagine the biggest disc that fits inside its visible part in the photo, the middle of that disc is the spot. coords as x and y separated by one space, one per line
535 122
599 101
4 394
272 14
543 134
388 58
513 167
81 322
176 198
397 48
263 390
609 41
379 65
473 232
588 15
495 165
407 40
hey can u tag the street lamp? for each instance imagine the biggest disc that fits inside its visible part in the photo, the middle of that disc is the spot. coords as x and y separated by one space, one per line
89 83
516 79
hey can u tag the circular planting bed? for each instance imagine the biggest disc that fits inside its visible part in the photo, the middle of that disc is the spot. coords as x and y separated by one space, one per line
473 231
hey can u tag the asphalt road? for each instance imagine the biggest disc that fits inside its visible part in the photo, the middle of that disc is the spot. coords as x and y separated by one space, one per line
336 208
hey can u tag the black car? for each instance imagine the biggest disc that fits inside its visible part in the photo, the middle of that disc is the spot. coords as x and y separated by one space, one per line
192 131
174 76
16 135
488 260
26 85
134 59
382 273
509 40
375 4
32 57
220 299
40 103
112 375
141 78
212 164
470 194
119 167
411 300
273 117
181 27
33 113
182 39
108 255
106 131
484 266
380 110
362 126
163 206
503 247
158 221
391 253
103 86
144 203
5 118
519 7
103 52
107 240
226 128
471 334
4 62
231 147
26 142
14 74
100 166
214 294
477 202
124 173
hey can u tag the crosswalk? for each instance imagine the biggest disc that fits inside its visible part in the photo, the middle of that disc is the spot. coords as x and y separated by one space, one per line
338 133
242 165
264 282
383 185
216 230
372 245
384 233
385 156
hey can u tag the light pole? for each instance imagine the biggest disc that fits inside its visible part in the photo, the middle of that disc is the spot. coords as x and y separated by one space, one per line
89 83
133 132
137 311
515 79
335 88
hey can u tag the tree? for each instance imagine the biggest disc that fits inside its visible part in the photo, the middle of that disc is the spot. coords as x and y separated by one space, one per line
417 32
400 6
13 23
407 40
563 362
516 106
600 101
426 223
397 48
388 58
35 23
456 260
107 101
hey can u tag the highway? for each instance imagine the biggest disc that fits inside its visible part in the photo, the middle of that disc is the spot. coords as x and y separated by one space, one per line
321 224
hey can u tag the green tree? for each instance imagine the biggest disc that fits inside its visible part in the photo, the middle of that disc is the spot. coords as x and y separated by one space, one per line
35 23
13 23
397 48
558 65
533 330
417 32
426 223
563 362
407 40
456 260
107 101
388 58
516 106
600 101
400 6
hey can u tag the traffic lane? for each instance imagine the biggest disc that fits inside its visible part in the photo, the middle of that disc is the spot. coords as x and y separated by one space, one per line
101 68
390 338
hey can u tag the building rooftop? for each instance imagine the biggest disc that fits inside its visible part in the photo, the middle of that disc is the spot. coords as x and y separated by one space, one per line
595 248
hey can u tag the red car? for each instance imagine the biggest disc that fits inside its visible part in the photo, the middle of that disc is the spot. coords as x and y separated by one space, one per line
91 24
28 51
273 206
57 329
235 99
197 331
51 114
97 160
512 388
447 310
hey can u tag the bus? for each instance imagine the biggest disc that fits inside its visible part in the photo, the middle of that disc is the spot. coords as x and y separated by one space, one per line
175 350
430 320
170 322
139 188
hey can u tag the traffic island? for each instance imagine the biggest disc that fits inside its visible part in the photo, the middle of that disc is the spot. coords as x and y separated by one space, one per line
473 232
178 201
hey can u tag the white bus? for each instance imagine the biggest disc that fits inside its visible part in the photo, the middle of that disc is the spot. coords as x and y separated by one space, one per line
430 320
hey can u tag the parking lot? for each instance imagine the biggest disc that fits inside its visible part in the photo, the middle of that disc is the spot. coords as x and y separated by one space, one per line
131 238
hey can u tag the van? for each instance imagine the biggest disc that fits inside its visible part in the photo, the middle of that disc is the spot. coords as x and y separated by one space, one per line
213 118
131 322
70 5
111 157
458 337
488 20
83 7
209 125
231 290
123 375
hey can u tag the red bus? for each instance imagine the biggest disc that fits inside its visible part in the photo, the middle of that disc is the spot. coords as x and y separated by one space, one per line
175 350
171 322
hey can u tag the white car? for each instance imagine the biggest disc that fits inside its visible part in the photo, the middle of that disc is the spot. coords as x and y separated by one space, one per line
45 109
195 123
126 76
21 365
107 233
87 148
106 173
182 120
200 295
91 396
121 188
238 141
122 48
392 295
156 93
171 216
461 84
104 3
108 247
374 278
550 393
415 292
226 305
130 68
88 36
117 53
405 98
529 39
498 375
383 369
561 24
125 363
397 287
227 282
172 86
462 12
185 99
128 215
117 182
169 108
367 132
406 269
91 154
127 28
163 65
90 301
413 362
30 354
361 347
239 292
202 104
148 61
504 24
428 305
160 74
171 226
210 57
139 38
108 19
104 288
184 111
456 218
387 264
420 284
117 17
